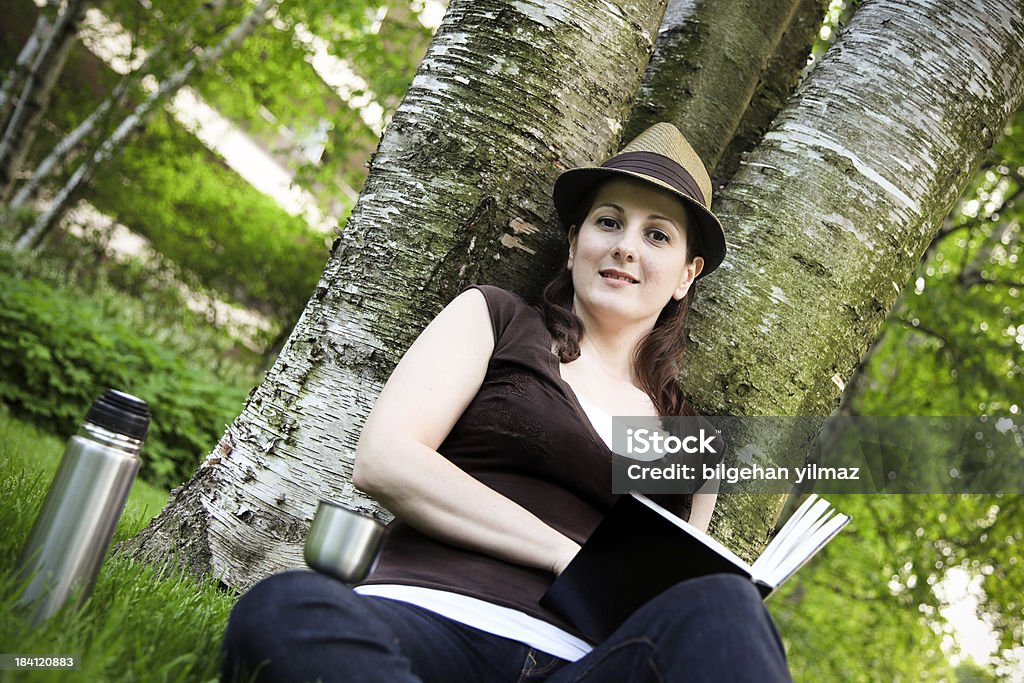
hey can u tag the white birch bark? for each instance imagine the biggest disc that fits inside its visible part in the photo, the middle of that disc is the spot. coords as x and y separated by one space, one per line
713 58
827 218
22 65
778 79
34 97
508 94
73 140
134 121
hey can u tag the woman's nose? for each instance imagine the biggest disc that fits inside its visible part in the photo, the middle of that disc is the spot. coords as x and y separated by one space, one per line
624 254
625 249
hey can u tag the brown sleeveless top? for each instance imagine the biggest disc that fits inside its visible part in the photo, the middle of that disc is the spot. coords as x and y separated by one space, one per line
526 436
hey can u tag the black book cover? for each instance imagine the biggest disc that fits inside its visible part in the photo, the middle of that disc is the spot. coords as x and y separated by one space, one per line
632 556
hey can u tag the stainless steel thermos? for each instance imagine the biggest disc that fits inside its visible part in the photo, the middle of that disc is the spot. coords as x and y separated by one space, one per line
64 551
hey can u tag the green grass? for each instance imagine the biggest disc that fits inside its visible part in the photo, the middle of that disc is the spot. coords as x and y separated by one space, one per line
24 448
136 626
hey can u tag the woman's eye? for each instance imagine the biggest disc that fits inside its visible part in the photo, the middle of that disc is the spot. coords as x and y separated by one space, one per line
606 222
658 236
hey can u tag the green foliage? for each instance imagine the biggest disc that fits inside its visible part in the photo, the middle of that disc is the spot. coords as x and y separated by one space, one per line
383 57
58 353
168 187
882 571
147 296
972 672
137 625
841 618
210 222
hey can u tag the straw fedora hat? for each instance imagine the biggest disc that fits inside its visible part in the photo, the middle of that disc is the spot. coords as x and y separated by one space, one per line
661 156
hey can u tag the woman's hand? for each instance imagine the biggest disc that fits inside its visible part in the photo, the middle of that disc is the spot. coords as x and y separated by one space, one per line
566 556
397 460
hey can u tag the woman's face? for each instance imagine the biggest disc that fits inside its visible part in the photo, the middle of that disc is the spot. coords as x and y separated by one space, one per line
629 258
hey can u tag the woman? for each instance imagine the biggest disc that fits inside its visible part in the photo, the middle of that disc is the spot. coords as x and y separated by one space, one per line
490 443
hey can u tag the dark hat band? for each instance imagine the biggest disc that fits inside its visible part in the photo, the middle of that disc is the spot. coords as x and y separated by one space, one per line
658 166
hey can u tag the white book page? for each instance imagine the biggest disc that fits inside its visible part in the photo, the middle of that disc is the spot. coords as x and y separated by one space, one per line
695 532
771 551
803 537
809 525
804 527
822 535
792 533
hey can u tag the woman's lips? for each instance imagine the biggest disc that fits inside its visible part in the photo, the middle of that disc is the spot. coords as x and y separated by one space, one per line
617 278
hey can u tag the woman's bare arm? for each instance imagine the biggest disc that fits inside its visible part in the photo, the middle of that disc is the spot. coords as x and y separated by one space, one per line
397 460
704 504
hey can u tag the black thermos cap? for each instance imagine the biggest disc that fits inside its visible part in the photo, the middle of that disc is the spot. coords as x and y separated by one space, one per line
122 413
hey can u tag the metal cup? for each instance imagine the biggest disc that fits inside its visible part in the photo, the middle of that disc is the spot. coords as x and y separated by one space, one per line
342 543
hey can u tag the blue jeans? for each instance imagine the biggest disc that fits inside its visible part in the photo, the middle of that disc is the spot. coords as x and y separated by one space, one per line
302 626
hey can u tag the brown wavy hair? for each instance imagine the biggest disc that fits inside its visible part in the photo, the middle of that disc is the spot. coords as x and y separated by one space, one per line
658 356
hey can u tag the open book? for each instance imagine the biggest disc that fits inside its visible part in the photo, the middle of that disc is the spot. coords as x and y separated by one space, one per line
640 549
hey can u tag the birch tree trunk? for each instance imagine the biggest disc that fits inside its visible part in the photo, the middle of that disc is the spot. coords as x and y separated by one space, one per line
72 142
22 65
35 93
508 94
829 215
778 80
134 121
713 59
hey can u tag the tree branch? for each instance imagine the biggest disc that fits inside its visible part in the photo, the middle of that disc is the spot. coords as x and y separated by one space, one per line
923 330
35 94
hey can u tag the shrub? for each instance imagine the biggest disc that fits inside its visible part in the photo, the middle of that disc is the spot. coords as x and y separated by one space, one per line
57 353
